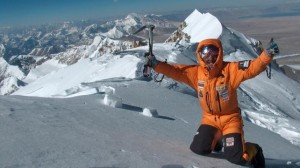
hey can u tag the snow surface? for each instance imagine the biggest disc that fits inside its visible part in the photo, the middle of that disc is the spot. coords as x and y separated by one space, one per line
100 112
297 67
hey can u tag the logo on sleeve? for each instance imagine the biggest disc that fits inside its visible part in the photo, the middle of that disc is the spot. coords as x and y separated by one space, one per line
244 64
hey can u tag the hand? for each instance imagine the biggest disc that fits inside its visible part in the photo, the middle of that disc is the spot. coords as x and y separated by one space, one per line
271 52
273 49
151 61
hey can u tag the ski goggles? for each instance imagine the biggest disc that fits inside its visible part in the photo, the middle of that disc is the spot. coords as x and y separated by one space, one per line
209 51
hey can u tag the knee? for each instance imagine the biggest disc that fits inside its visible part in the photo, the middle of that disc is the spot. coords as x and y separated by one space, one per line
200 150
234 148
202 141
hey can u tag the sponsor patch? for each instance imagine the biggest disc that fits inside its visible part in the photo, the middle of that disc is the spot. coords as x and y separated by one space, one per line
201 85
244 64
223 92
230 141
221 88
224 95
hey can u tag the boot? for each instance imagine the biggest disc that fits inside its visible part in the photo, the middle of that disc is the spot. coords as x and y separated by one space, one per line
218 146
259 160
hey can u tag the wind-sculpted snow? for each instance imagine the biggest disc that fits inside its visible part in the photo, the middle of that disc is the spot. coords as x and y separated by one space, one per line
83 131
58 83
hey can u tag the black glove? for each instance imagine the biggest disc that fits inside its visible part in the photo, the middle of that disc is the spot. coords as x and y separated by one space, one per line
273 49
151 61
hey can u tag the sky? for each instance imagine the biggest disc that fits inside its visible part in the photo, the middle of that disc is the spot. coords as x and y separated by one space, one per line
27 12
100 116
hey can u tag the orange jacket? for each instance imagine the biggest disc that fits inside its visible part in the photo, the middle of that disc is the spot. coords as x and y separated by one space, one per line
217 89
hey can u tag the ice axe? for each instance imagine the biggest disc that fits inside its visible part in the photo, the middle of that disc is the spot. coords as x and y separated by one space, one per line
149 54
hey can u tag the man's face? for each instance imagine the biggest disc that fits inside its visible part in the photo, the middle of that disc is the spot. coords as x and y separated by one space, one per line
209 55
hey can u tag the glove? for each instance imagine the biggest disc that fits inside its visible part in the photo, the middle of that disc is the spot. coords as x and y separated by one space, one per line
151 61
273 49
271 52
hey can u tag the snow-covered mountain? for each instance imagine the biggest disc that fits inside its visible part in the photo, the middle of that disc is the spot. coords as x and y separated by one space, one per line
47 40
71 41
120 28
10 78
101 121
2 50
195 29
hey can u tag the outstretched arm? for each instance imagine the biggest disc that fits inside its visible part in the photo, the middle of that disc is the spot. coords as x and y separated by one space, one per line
181 73
244 70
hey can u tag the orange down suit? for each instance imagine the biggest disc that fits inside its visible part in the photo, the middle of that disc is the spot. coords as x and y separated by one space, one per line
217 88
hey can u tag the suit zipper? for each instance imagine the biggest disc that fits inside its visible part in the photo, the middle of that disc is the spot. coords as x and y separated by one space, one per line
219 102
208 103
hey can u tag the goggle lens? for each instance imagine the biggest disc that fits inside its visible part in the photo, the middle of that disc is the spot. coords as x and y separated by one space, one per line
208 51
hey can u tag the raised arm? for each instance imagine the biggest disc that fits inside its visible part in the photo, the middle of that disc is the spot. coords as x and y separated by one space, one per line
244 70
181 73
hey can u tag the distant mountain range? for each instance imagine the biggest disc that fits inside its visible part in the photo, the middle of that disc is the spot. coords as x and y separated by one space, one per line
46 40
29 47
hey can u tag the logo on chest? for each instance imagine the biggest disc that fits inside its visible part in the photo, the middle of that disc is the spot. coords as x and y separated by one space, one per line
223 92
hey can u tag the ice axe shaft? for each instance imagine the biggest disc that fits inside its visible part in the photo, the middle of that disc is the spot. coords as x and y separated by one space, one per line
150 34
147 68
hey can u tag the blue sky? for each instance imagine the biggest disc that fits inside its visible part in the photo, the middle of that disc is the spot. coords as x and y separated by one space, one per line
26 12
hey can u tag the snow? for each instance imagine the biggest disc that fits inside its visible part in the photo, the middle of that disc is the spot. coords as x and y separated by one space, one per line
44 69
297 67
59 82
100 112
114 33
83 132
10 70
112 100
9 77
150 112
202 26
